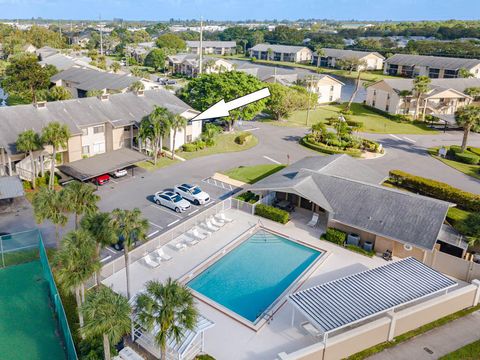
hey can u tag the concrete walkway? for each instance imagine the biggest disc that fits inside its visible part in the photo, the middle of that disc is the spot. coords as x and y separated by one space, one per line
437 342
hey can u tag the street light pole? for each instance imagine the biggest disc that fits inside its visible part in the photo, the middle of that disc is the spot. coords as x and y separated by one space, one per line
309 89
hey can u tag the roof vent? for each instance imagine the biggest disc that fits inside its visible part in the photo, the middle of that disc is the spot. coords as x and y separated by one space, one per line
40 104
103 97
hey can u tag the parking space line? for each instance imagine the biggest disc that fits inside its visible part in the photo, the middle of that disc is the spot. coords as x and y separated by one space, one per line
156 225
252 129
193 212
272 160
115 182
153 233
173 222
166 211
209 203
106 258
395 137
408 139
112 251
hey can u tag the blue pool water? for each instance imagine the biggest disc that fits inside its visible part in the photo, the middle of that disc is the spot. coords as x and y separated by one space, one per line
252 276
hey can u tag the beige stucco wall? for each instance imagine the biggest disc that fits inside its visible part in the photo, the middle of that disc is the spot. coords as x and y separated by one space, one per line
74 152
364 236
92 139
304 55
379 95
373 62
453 266
328 90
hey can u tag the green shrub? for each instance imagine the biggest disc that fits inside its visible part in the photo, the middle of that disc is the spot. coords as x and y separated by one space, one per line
248 196
307 141
200 144
27 185
243 138
436 189
204 357
474 150
455 149
335 236
272 213
359 250
346 112
190 147
210 142
355 124
467 158
371 145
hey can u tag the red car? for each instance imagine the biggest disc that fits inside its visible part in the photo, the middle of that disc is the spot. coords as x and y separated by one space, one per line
102 179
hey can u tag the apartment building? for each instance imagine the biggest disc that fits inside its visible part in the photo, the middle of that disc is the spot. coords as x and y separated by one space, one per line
189 65
287 53
212 47
435 67
332 58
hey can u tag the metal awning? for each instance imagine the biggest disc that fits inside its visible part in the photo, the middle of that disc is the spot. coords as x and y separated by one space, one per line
349 300
10 187
97 165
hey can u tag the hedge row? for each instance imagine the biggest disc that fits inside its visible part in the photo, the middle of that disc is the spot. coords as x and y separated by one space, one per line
467 158
328 149
335 236
248 197
436 189
359 250
272 213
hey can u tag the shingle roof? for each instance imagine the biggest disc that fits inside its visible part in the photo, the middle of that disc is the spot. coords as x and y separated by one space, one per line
220 44
119 110
433 61
278 48
345 301
349 190
349 54
86 79
10 187
63 62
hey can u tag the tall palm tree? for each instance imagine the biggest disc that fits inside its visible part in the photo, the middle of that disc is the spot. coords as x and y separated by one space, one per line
50 205
468 117
154 127
359 65
131 227
404 94
178 123
75 263
137 86
170 307
27 142
56 135
420 87
81 199
107 314
99 225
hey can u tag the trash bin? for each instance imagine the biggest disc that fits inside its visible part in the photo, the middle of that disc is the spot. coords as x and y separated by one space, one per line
353 239
368 246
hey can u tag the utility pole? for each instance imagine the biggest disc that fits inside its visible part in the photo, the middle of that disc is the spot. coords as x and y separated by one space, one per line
309 89
200 70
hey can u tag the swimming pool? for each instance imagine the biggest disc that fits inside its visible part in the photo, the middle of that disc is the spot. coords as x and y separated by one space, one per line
248 279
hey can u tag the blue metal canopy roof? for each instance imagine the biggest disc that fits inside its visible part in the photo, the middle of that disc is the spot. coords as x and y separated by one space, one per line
354 298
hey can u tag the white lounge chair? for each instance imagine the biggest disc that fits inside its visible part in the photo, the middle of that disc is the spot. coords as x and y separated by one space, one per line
313 221
180 246
194 233
310 329
209 226
223 218
162 256
216 222
190 241
150 261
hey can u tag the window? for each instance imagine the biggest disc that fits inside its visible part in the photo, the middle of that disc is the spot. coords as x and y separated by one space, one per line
388 96
85 150
85 131
99 148
373 103
331 88
387 107
98 129
330 98
374 92
189 138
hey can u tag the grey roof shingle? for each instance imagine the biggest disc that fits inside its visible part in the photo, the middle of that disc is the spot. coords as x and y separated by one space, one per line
348 300
215 44
433 61
86 79
119 110
278 48
349 190
10 187
63 62
349 54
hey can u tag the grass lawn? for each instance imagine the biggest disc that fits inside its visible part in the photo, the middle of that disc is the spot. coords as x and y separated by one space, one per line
224 143
468 352
252 174
161 162
373 122
467 169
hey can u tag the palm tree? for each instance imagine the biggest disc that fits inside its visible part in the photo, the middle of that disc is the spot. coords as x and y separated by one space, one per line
178 123
269 53
170 307
99 225
94 93
359 65
57 93
131 227
137 86
154 127
420 87
107 315
465 73
468 117
27 142
404 94
75 263
81 199
115 66
50 205
56 135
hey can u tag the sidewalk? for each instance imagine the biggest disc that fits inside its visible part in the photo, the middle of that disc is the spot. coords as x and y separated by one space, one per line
437 342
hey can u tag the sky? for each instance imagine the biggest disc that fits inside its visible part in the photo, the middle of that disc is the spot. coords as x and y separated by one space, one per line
242 9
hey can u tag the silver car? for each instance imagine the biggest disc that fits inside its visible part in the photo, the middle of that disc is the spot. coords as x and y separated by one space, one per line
171 200
192 193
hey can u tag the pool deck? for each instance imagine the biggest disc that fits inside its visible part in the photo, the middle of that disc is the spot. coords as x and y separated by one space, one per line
230 339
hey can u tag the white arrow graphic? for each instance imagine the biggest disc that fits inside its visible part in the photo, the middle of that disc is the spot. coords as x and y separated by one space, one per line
222 108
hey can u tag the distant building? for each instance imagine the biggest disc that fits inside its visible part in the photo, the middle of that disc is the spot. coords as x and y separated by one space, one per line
212 47
331 57
189 65
431 66
287 53
139 51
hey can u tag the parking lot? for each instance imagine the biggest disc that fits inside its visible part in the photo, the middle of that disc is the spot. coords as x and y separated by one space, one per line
160 218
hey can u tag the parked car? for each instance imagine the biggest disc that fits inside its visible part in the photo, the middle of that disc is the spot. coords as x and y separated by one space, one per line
119 173
171 200
192 193
101 180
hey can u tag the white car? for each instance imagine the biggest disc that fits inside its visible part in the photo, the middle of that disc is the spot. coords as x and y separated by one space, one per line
171 200
119 173
192 193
